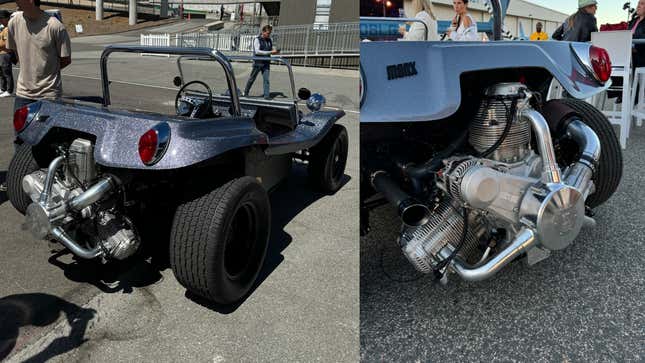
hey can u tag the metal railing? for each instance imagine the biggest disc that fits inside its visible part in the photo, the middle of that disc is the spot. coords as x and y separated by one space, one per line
337 39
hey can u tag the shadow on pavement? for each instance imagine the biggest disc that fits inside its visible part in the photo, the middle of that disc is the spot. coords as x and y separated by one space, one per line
3 195
287 201
116 276
18 311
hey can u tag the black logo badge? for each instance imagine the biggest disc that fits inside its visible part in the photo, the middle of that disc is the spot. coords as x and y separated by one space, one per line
395 71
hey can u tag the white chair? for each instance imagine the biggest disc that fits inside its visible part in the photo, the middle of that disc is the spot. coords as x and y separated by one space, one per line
638 111
619 46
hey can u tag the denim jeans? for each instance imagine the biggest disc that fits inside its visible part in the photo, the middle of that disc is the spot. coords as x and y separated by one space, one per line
265 69
6 74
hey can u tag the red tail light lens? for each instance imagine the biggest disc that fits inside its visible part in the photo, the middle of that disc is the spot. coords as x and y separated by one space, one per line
23 116
600 62
20 119
153 144
148 146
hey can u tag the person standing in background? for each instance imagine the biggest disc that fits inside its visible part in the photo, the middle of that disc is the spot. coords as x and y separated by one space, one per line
43 48
463 27
539 34
579 26
262 47
637 26
6 73
421 10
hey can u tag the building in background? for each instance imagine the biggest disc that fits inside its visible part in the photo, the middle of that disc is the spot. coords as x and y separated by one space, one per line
282 12
319 12
521 13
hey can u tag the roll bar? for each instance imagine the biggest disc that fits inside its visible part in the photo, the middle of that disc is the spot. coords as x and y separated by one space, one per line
196 52
247 58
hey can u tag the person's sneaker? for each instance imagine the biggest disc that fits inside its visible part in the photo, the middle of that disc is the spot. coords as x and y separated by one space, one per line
3 187
5 94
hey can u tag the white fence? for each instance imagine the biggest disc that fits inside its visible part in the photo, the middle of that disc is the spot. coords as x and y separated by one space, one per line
155 40
305 40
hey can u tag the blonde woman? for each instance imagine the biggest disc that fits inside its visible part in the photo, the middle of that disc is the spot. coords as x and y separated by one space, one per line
421 10
463 27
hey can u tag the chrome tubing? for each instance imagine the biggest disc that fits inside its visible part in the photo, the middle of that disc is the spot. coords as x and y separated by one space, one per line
588 140
412 213
550 170
92 195
197 52
79 251
524 241
580 174
49 180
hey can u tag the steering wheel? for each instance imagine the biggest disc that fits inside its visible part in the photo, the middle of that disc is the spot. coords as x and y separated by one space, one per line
190 106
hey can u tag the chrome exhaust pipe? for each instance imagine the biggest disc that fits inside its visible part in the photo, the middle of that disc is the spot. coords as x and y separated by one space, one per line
95 193
412 212
550 169
42 218
49 180
76 249
524 241
579 174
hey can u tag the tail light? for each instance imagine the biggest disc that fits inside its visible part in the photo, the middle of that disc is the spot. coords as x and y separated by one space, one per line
600 62
24 116
153 144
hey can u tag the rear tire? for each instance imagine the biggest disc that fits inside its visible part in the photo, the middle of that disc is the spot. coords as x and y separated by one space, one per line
22 164
610 166
219 240
327 160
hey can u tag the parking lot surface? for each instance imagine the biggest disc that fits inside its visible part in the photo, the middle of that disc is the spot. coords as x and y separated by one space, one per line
305 307
584 303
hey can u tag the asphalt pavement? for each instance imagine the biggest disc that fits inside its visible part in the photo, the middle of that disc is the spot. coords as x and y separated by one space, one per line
305 307
583 304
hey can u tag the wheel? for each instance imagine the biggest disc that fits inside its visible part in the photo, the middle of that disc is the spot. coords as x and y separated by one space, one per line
327 160
22 164
610 166
219 240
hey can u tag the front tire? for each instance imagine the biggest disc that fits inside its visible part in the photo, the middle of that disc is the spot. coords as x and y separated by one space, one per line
609 170
219 240
327 160
21 165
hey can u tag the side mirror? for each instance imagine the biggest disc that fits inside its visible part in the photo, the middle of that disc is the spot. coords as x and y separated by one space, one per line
177 81
304 94
316 102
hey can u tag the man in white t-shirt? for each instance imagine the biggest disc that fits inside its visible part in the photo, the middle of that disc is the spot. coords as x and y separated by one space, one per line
43 48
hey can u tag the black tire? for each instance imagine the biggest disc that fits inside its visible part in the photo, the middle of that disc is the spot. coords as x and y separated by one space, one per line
327 160
22 163
219 240
610 166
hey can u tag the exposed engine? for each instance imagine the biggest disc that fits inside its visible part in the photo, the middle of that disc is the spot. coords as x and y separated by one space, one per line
71 202
500 201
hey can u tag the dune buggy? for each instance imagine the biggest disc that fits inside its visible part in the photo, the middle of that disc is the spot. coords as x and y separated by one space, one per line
88 176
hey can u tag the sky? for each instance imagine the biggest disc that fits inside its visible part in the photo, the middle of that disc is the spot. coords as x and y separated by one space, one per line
609 11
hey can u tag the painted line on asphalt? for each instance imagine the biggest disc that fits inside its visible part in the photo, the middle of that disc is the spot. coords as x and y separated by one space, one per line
172 89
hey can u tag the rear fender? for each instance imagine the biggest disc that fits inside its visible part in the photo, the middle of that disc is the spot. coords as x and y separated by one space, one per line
420 81
117 134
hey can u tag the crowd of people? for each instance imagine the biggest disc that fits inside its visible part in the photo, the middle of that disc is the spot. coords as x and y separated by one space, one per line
576 28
